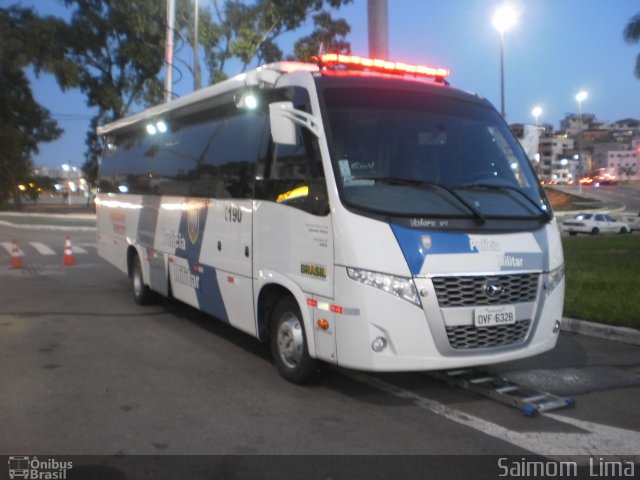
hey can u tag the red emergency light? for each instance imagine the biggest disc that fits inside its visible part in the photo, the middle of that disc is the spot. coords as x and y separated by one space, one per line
376 64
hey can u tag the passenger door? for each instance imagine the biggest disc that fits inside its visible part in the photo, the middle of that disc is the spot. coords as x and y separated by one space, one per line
293 232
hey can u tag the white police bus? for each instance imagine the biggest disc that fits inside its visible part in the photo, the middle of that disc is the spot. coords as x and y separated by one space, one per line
355 211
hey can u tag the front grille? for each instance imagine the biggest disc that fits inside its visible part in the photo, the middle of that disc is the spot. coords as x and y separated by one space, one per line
469 336
472 291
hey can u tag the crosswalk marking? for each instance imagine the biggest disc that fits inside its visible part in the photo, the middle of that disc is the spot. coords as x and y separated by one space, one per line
42 248
8 246
46 250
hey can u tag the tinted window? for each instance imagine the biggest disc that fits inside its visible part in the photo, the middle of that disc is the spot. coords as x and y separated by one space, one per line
293 174
208 156
411 153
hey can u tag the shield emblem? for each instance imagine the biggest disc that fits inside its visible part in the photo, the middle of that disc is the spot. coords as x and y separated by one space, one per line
193 223
426 241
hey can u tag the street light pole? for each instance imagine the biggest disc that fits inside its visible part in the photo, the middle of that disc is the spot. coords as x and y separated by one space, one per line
168 51
196 61
580 97
504 18
502 112
536 112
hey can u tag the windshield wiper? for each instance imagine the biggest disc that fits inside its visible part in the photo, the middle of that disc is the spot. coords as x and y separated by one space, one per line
424 183
545 213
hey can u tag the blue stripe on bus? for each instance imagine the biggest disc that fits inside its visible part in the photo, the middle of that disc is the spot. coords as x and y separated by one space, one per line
192 226
209 295
416 246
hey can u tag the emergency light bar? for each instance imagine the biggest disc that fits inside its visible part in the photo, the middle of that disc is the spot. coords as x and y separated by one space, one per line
333 59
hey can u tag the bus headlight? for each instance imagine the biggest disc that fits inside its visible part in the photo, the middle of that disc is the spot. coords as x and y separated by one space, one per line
555 277
398 286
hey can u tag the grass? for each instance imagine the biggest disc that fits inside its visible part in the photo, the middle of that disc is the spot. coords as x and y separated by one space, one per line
603 279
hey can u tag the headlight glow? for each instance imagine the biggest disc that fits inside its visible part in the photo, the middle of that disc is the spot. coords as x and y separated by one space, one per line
398 286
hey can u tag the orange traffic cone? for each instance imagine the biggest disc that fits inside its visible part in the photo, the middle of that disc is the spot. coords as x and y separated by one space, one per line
68 259
16 256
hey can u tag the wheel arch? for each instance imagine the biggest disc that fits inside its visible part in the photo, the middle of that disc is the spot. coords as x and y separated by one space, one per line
267 295
132 252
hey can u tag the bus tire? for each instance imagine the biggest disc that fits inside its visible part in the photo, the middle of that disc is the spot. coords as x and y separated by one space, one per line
142 294
289 343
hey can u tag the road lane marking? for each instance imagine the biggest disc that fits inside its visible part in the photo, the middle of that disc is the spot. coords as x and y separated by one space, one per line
77 249
42 248
596 439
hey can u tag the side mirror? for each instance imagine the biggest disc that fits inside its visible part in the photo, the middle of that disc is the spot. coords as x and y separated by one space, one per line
283 128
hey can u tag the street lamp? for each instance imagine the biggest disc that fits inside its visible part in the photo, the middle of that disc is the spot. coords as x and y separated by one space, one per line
580 97
504 18
536 112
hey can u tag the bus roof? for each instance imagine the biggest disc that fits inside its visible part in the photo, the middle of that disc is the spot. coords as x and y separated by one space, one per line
267 74
328 64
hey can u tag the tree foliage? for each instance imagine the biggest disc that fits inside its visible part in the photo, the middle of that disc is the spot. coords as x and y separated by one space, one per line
632 35
24 124
248 32
113 50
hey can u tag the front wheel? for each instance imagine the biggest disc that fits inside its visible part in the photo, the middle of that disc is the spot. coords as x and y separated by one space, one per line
142 294
624 231
289 342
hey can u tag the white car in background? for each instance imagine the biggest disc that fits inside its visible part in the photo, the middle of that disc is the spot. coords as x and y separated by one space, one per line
633 221
594 223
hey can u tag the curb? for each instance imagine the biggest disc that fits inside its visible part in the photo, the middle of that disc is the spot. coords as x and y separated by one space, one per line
629 336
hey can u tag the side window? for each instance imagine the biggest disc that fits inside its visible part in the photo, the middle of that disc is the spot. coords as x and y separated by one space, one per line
123 166
208 155
233 154
226 166
293 174
295 177
599 218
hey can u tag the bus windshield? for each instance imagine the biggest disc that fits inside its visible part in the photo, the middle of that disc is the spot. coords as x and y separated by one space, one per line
411 153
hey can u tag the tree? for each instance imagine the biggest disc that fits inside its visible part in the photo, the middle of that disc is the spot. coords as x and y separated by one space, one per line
329 35
632 35
23 122
112 50
248 31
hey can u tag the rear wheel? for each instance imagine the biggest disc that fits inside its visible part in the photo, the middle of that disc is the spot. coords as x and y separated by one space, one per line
573 234
595 231
289 342
624 230
142 294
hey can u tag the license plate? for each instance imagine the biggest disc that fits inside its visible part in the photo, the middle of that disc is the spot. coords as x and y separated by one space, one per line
493 316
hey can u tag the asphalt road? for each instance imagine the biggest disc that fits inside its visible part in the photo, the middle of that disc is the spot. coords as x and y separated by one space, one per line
625 196
85 371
